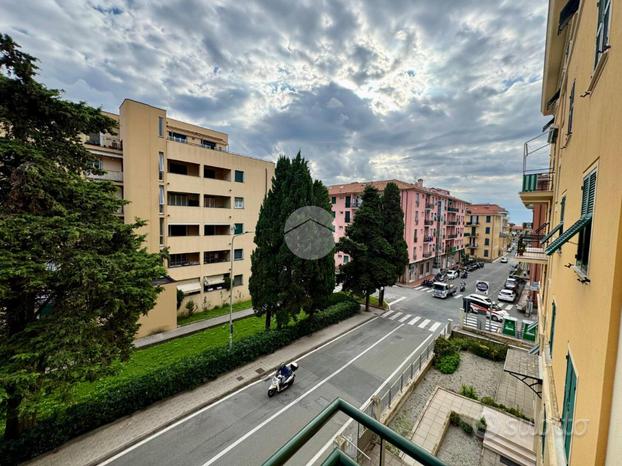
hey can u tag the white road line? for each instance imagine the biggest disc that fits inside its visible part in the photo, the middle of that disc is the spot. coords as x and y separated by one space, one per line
405 318
288 406
387 314
429 291
424 323
459 296
509 306
397 301
216 403
412 322
395 316
419 288
434 326
378 390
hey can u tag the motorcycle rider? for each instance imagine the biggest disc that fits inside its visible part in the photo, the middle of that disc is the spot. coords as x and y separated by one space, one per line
462 285
282 374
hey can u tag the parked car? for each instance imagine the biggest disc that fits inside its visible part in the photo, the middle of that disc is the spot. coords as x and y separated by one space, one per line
511 284
443 290
480 265
507 296
480 304
452 274
504 260
471 267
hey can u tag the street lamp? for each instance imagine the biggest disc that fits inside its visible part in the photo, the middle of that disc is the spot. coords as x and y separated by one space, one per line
231 276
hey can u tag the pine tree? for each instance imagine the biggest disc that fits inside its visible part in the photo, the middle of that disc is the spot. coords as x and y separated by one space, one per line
364 242
393 226
74 278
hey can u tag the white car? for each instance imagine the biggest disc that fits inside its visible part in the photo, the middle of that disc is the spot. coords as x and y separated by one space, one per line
451 274
511 284
480 304
504 260
507 296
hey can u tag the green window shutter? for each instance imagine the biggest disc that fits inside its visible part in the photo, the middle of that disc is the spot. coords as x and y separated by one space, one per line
552 335
551 233
589 192
568 234
570 389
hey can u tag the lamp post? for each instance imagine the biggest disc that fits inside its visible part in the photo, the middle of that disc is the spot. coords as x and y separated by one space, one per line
231 276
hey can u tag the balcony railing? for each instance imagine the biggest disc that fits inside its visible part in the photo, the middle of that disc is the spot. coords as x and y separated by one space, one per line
428 254
429 206
110 175
530 250
428 239
452 209
452 224
452 236
542 181
204 146
428 222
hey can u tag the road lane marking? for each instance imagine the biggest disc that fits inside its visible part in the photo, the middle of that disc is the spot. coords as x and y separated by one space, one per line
216 403
429 291
412 322
288 406
397 301
406 317
387 314
419 288
424 323
395 316
378 390
459 296
434 326
509 307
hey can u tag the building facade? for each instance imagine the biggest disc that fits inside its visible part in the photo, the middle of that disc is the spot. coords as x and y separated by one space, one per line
487 233
574 250
196 197
433 224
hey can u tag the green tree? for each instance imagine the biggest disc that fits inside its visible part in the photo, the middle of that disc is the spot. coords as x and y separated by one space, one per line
74 278
393 227
364 242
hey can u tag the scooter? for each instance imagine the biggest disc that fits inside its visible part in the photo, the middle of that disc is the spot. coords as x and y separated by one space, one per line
462 286
465 274
277 385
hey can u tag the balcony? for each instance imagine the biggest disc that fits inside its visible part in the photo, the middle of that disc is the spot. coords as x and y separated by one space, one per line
452 236
452 223
105 140
428 239
428 254
473 245
452 209
537 182
530 251
110 175
428 223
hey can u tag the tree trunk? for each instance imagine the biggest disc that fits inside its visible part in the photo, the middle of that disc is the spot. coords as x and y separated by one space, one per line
11 430
367 301
381 297
268 319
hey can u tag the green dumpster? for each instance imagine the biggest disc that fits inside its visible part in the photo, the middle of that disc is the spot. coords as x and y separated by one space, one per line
509 326
530 329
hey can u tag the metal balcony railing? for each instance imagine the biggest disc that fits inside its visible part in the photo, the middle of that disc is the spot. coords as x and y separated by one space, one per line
452 209
537 179
429 206
204 146
427 239
542 181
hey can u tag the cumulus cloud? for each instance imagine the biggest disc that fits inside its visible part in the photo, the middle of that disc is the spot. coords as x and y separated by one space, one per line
445 90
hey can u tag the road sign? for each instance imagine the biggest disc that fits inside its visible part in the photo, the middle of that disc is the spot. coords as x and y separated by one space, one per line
482 286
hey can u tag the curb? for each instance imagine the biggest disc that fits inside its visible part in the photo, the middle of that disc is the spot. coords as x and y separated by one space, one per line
212 400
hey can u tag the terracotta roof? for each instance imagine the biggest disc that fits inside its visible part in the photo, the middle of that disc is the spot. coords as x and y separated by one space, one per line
359 186
486 209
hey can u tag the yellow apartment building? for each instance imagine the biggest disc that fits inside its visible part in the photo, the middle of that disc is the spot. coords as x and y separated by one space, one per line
575 248
487 232
197 198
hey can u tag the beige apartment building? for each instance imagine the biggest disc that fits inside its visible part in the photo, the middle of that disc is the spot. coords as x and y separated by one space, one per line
197 198
487 232
575 247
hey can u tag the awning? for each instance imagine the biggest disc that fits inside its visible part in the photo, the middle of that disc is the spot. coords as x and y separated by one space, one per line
545 127
573 230
189 288
569 9
525 367
552 100
213 280
552 232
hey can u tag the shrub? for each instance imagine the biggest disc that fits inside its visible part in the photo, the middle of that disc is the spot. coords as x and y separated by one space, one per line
487 350
444 347
111 401
481 425
456 420
513 411
190 308
447 364
469 391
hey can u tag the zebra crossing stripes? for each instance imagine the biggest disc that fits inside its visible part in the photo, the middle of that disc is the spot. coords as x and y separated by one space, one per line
434 326
430 290
457 297
387 314
424 323
472 320
414 321
405 318
419 288
395 316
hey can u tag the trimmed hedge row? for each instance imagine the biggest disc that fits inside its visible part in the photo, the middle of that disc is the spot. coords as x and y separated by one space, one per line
109 403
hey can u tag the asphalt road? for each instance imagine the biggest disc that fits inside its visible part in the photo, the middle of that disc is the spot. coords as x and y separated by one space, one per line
247 427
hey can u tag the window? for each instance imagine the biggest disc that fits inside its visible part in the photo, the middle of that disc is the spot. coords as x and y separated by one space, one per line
487 218
183 199
587 208
238 228
239 202
333 200
161 165
239 176
177 168
562 212
602 30
183 230
161 127
161 200
180 260
347 216
214 257
177 137
346 259
487 242
552 334
485 252
348 200
571 108
208 144
416 217
570 391
238 254
487 230
161 231
213 230
238 280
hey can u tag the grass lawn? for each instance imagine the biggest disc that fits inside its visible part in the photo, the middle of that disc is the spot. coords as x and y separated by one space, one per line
373 301
216 312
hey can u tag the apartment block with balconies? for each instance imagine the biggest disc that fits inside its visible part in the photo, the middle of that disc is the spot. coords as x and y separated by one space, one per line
196 196
487 233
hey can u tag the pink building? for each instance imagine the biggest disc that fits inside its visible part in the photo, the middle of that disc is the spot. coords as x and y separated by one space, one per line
433 224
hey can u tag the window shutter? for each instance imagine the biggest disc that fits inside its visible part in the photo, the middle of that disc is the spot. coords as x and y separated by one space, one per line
591 192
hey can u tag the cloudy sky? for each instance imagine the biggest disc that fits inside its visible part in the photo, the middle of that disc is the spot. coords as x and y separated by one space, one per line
444 90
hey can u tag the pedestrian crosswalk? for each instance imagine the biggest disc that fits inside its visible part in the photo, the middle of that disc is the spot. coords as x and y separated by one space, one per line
411 320
482 323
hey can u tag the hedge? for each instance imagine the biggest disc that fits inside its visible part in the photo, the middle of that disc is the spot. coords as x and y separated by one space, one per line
108 403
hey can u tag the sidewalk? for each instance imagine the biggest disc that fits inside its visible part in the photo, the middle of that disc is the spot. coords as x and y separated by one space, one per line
190 328
105 442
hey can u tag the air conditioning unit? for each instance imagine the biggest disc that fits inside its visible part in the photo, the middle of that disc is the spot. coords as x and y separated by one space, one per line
552 137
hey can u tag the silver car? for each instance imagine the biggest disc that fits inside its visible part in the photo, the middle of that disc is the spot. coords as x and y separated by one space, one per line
507 296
